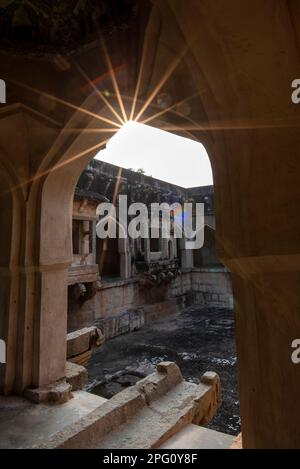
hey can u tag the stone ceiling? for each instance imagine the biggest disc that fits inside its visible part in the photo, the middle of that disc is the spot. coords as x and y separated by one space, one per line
62 26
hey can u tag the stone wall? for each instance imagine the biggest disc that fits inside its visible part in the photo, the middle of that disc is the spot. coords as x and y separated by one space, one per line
212 287
123 306
206 286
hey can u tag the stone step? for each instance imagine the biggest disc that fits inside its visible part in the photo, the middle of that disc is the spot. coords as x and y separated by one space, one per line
145 415
162 417
196 437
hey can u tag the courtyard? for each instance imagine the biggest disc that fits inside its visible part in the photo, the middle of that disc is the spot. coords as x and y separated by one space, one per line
198 339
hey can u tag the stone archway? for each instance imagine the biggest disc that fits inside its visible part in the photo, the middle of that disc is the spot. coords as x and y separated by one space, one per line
241 62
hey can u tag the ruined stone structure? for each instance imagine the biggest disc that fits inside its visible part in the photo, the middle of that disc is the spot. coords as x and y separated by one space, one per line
119 284
226 69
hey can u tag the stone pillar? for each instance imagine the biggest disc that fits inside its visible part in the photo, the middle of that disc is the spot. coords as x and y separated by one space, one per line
94 242
85 237
258 240
50 327
164 248
147 249
34 326
125 257
187 256
38 175
267 316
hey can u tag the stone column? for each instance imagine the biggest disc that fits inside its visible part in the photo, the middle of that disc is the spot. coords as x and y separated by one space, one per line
125 258
37 183
85 237
147 249
258 240
267 304
187 257
164 248
94 242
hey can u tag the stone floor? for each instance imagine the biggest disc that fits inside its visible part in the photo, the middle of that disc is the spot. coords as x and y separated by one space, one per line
24 424
198 339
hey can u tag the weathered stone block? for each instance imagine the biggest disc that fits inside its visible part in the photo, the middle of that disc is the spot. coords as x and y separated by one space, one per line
76 375
82 340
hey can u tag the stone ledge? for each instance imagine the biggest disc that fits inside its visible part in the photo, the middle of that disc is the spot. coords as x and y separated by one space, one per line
82 340
117 283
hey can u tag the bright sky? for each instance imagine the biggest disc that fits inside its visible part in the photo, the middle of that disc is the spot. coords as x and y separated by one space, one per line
161 154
